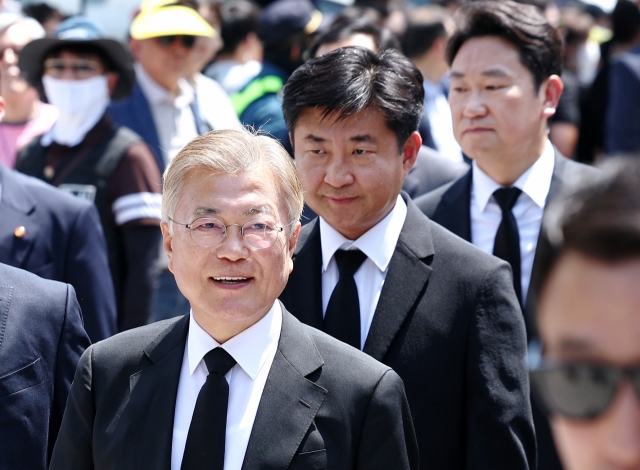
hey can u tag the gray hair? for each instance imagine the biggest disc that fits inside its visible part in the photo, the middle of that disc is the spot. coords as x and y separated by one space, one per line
232 152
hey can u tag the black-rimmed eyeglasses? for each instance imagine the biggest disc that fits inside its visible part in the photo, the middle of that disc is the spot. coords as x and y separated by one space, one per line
209 232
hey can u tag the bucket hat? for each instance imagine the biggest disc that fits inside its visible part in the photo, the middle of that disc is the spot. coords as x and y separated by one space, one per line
78 30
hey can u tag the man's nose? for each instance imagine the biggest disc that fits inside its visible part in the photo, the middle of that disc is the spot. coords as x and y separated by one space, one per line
338 172
475 105
622 444
232 246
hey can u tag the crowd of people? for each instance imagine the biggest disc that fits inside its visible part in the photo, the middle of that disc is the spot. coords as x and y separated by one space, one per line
283 234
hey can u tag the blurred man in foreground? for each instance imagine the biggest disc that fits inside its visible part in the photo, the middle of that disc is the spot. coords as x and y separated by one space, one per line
588 316
239 382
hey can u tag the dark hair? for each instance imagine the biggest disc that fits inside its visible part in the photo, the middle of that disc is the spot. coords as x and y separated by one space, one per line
238 19
83 50
41 12
625 19
346 26
349 80
538 43
599 219
425 26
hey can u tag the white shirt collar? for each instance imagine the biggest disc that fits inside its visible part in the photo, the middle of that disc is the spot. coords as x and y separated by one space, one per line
378 243
535 182
249 348
157 94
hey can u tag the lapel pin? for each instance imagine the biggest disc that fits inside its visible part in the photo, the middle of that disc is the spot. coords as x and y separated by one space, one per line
20 232
49 172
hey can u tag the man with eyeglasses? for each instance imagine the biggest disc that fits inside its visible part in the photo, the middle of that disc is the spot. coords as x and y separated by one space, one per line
238 383
80 71
587 376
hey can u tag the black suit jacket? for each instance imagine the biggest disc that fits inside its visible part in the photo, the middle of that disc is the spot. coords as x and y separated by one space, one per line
431 171
324 405
448 322
449 206
63 242
41 340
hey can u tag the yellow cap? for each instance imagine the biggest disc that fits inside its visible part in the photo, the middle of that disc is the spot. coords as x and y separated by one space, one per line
154 21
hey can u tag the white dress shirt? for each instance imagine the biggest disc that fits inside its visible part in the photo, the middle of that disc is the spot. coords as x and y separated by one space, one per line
253 350
175 123
486 214
440 120
378 243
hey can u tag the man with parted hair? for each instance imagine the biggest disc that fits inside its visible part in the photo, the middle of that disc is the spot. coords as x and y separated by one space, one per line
373 271
506 63
239 382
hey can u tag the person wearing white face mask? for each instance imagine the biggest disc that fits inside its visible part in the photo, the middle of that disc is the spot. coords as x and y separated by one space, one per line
80 71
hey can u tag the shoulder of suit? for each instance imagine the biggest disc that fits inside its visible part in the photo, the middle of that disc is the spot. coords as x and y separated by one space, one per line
428 203
134 342
46 195
340 356
33 292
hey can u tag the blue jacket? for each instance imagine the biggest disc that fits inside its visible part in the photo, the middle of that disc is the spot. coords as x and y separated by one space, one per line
134 112
62 241
623 112
41 341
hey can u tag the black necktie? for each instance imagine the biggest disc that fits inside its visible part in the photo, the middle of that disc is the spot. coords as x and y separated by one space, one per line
507 242
205 442
342 318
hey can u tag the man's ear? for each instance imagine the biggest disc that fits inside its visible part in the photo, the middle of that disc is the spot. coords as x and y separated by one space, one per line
293 239
112 81
552 89
134 46
410 151
167 238
291 140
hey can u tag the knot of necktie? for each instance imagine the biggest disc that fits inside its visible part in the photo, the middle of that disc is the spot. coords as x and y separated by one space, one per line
219 361
507 197
349 261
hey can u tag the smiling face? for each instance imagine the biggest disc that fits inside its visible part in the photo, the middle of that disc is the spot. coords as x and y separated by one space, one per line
589 311
351 170
499 119
232 286
12 40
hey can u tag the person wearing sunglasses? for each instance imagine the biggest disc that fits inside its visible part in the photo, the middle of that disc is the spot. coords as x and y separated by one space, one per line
80 71
585 369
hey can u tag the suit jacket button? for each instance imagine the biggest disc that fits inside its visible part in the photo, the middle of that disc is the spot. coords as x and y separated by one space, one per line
20 232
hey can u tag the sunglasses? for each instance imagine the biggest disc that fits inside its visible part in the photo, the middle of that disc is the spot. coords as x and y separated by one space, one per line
187 41
578 390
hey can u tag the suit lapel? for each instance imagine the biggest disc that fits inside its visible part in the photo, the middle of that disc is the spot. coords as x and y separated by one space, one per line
303 294
152 401
454 212
16 209
398 295
289 401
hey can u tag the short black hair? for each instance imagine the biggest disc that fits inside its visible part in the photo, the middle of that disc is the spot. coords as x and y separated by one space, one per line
599 219
425 25
238 19
538 43
349 80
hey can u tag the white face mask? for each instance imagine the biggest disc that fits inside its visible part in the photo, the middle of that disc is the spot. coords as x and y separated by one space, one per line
81 104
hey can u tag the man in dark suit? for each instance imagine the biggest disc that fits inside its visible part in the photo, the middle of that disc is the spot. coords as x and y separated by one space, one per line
430 172
436 309
41 341
58 237
505 84
238 383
